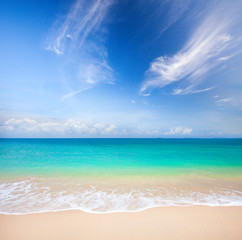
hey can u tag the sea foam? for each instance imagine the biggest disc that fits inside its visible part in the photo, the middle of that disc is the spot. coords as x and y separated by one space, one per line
33 195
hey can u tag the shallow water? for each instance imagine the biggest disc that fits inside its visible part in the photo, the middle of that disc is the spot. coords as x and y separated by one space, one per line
110 175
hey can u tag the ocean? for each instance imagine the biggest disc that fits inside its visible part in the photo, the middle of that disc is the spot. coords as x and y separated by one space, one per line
118 175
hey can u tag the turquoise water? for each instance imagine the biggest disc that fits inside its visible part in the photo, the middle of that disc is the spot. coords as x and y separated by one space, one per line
120 156
111 175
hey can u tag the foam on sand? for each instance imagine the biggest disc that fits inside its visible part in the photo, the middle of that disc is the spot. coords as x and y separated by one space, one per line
33 195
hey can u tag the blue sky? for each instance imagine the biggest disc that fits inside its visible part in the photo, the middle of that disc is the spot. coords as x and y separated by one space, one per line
130 68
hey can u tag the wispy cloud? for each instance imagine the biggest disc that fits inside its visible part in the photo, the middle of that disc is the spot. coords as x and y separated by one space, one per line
90 74
234 103
179 131
210 44
224 100
179 91
79 39
175 12
83 19
73 93
165 12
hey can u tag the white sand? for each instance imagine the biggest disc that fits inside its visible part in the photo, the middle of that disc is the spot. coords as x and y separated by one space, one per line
166 223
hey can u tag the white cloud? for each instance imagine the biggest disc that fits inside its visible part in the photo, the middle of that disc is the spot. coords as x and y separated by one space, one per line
225 100
79 38
71 94
109 129
231 103
83 18
175 12
51 126
179 131
224 58
179 91
94 72
210 42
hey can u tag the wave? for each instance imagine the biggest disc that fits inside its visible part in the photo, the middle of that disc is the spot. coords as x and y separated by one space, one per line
32 195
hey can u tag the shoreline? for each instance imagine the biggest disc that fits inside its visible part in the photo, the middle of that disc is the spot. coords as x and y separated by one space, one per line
38 195
172 222
119 211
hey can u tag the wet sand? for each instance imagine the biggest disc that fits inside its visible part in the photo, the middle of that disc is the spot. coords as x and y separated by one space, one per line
196 222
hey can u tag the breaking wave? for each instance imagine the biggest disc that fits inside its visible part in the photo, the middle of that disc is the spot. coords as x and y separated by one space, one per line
32 195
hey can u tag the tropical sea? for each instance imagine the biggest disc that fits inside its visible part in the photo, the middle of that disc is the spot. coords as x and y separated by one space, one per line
118 175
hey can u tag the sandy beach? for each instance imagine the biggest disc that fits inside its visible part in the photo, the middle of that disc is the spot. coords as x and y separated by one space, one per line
196 222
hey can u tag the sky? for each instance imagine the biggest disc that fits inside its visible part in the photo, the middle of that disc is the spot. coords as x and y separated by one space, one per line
121 68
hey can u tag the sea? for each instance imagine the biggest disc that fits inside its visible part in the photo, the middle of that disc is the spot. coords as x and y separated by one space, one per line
118 175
